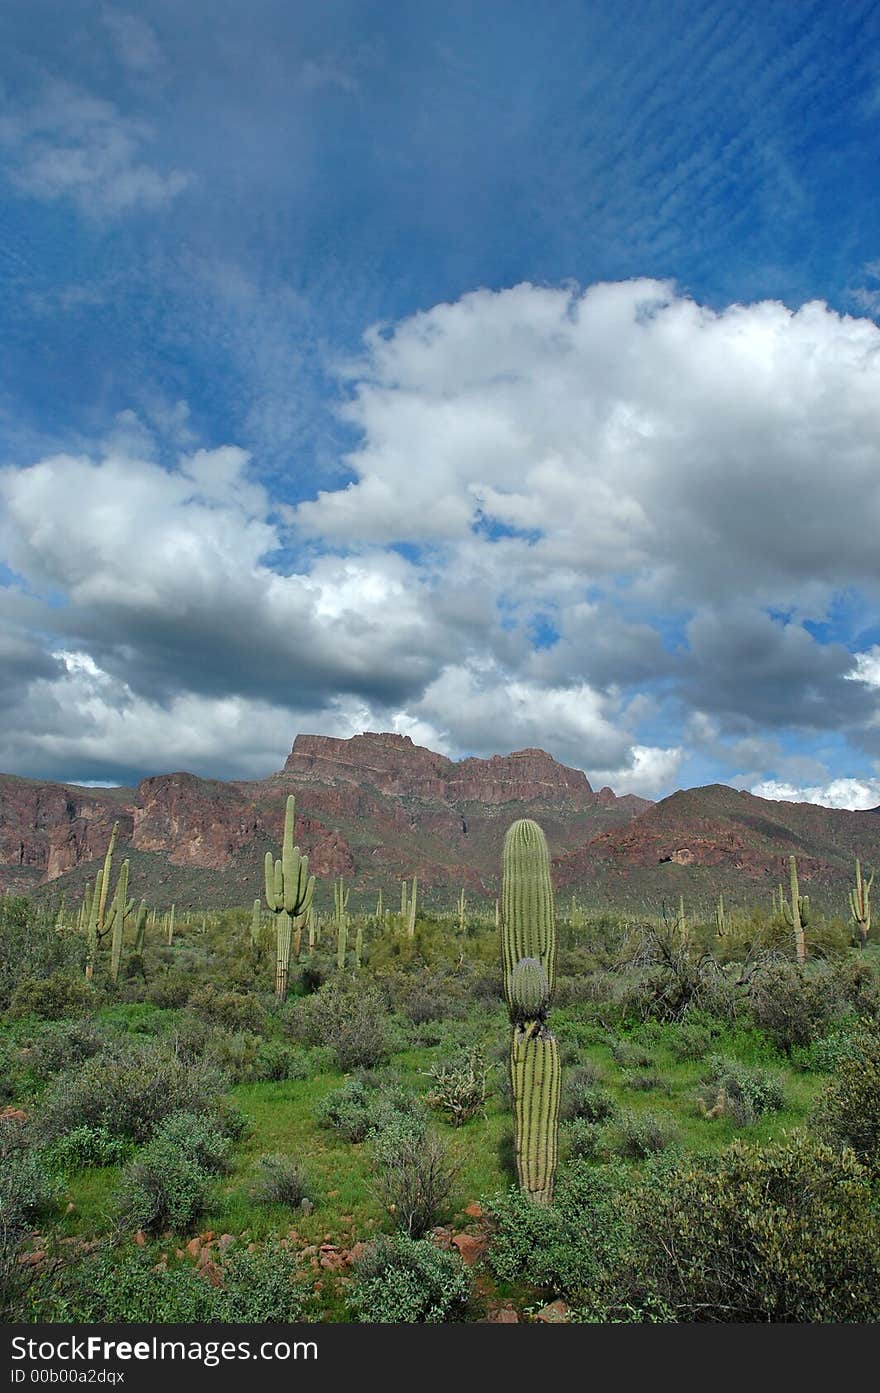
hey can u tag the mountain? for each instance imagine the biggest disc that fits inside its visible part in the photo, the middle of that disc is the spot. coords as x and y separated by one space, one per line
375 807
700 841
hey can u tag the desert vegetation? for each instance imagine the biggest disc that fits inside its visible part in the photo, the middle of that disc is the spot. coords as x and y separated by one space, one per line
281 1113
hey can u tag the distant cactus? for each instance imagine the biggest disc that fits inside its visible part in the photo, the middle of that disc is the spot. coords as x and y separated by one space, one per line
340 903
528 955
289 890
796 913
140 927
411 919
119 911
721 920
860 904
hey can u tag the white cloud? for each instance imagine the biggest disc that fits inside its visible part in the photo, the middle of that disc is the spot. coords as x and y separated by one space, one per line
650 771
71 145
836 793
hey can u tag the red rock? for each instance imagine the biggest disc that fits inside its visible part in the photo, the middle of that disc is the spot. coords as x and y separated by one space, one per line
140 1238
225 1241
502 1315
212 1272
555 1313
470 1247
31 1259
474 1210
194 1247
13 1115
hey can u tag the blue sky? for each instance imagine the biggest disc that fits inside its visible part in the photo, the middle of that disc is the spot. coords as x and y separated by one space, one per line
501 377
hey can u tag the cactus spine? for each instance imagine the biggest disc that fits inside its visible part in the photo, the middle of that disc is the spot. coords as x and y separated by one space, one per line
860 904
528 956
797 913
289 891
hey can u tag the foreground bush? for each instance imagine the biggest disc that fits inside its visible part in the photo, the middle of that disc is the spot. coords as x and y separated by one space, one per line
776 1233
128 1093
167 1183
350 1017
848 1113
403 1279
365 1105
121 1285
566 1247
414 1175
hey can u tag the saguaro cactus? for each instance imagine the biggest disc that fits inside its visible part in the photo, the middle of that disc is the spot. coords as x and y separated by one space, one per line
797 913
721 921
860 904
528 956
119 912
289 891
340 903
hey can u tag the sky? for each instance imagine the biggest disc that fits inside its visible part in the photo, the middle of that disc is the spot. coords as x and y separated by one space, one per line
503 375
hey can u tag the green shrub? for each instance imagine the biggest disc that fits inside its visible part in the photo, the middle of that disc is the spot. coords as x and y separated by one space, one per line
460 1089
583 1097
263 1287
164 1187
636 1135
347 1015
789 1004
128 1092
234 1010
778 1233
122 1286
414 1175
848 1112
31 949
59 994
200 1135
581 1138
740 1091
567 1246
280 1181
63 1046
89 1146
361 1106
401 1279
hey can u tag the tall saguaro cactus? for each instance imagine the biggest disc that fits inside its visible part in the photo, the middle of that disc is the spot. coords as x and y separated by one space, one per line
340 905
97 905
797 913
528 956
860 904
289 891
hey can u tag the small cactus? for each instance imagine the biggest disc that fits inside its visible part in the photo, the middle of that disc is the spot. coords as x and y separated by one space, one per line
860 904
796 913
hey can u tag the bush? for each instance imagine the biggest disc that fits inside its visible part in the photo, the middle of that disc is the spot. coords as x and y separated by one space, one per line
568 1245
200 1135
63 1046
460 1090
264 1286
280 1181
789 1005
740 1092
59 994
581 1138
234 1010
89 1146
583 1097
780 1233
349 1017
121 1286
360 1107
31 949
636 1135
402 1279
164 1187
848 1112
415 1175
128 1092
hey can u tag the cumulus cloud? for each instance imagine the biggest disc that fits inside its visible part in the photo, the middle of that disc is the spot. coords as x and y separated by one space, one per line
69 144
836 793
623 512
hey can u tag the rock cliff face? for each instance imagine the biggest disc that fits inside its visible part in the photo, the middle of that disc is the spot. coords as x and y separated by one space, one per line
375 806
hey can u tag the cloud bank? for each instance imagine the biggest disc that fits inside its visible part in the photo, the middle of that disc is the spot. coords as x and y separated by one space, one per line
613 523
